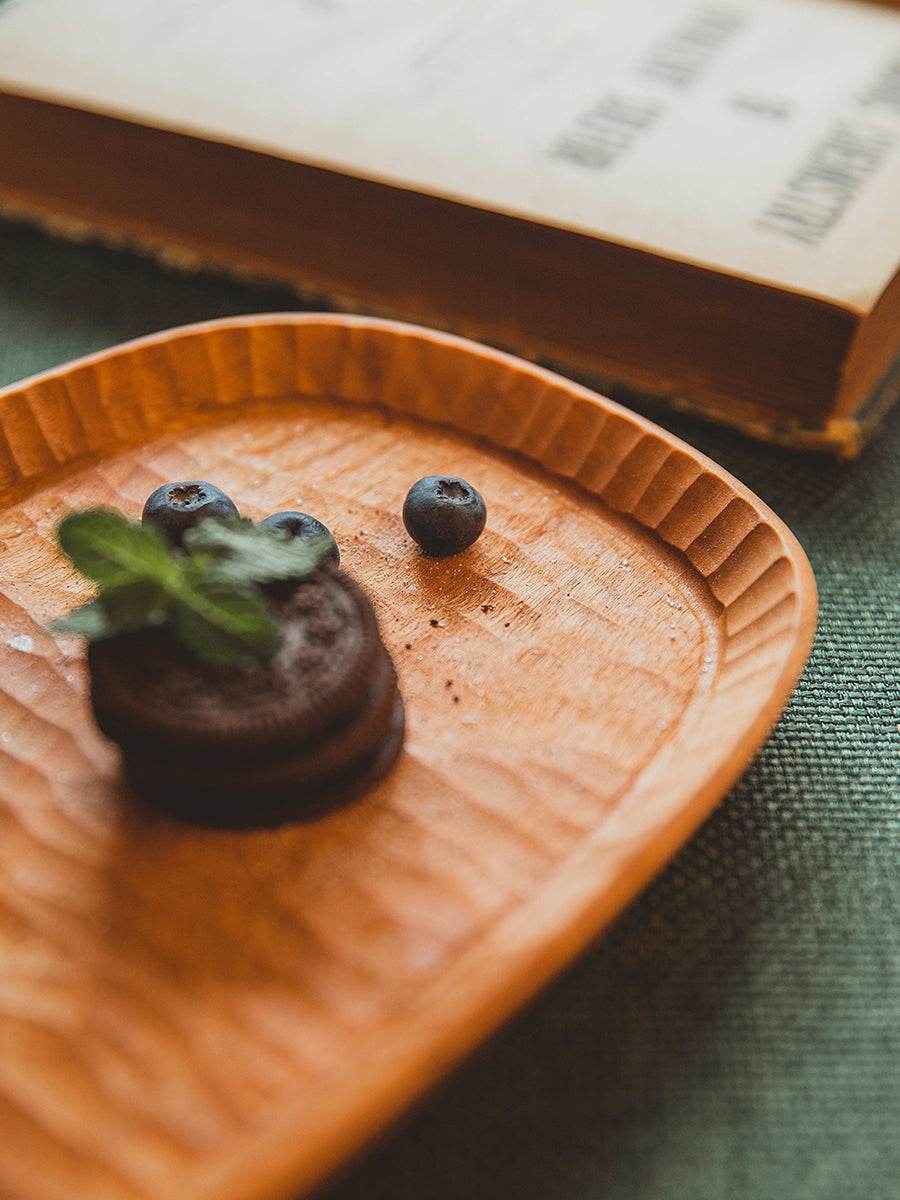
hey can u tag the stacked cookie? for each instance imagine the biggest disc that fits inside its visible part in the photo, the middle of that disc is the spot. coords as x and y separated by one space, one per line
266 743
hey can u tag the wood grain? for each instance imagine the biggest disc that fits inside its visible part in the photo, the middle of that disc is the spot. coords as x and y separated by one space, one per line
221 1016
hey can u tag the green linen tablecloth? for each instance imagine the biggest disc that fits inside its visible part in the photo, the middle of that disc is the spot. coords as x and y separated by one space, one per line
736 1034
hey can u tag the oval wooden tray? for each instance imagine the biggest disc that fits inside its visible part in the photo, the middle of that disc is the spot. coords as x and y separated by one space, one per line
225 1016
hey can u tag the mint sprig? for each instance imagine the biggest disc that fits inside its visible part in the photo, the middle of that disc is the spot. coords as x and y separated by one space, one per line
208 595
245 553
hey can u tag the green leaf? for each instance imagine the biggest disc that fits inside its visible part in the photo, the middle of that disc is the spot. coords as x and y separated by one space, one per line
224 625
90 621
207 594
112 551
130 607
137 605
246 553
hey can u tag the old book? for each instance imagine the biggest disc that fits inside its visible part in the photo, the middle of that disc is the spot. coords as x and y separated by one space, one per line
695 199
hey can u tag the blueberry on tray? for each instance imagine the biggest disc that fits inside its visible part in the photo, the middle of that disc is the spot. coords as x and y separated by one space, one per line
303 526
175 507
443 514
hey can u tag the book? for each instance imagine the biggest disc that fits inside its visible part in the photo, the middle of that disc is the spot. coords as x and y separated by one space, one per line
692 199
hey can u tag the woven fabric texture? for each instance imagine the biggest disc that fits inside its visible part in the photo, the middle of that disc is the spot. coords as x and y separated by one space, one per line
736 1034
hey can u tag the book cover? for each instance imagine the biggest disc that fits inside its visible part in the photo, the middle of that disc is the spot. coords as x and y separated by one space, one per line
749 142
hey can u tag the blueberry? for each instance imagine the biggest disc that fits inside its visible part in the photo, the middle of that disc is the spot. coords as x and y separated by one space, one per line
303 526
443 514
175 507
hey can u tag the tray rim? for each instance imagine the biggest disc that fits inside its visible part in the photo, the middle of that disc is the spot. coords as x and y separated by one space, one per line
387 1086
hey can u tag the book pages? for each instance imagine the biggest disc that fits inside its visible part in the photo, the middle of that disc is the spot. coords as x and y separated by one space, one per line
756 137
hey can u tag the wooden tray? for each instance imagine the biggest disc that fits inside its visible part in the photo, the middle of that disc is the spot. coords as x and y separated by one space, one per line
224 1016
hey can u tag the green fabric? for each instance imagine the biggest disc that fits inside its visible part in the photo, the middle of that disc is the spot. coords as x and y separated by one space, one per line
737 1033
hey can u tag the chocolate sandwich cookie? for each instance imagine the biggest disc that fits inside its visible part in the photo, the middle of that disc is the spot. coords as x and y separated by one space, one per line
259 745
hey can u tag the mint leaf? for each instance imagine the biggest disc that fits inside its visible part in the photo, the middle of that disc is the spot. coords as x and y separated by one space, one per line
137 605
90 621
246 553
112 551
223 625
207 593
130 607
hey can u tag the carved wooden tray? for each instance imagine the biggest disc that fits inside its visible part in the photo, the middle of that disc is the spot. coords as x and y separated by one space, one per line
224 1016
